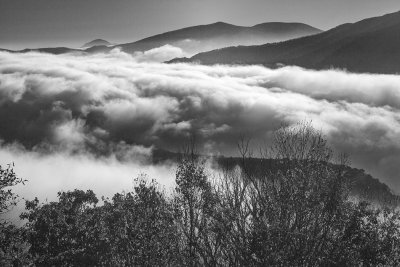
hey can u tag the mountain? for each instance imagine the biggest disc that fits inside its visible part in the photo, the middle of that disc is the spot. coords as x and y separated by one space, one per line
220 34
49 50
201 38
97 45
362 186
370 45
97 42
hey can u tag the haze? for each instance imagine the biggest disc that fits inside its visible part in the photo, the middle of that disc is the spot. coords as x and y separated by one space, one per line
46 23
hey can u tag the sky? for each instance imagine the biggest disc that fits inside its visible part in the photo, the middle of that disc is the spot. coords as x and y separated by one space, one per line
47 23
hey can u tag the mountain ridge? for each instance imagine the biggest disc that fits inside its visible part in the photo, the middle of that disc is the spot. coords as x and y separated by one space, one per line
96 42
362 185
201 37
369 45
216 32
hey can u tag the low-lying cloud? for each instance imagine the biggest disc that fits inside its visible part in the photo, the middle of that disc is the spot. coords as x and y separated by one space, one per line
48 174
159 54
117 104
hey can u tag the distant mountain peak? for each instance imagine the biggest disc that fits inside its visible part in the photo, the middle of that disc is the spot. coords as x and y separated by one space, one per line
221 34
97 42
220 23
370 45
278 23
202 38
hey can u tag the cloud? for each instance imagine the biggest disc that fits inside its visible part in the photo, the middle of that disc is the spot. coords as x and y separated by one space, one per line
117 104
50 173
159 54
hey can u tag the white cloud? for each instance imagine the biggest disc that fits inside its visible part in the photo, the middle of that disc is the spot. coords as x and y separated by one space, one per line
52 173
98 102
159 54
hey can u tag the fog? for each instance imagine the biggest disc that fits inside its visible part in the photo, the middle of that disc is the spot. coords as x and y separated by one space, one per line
51 173
75 121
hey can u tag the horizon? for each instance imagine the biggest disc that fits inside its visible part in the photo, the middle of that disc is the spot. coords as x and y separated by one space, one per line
56 23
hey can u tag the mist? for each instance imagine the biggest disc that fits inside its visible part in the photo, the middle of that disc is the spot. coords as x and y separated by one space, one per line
92 121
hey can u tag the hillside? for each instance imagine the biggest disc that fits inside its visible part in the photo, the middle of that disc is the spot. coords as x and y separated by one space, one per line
96 42
361 185
370 45
220 34
201 38
50 50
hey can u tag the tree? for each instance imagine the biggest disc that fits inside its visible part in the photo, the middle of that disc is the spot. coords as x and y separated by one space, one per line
195 210
138 228
12 246
291 208
131 229
58 231
288 208
8 179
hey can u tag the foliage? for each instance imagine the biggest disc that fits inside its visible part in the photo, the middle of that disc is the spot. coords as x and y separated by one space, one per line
12 246
135 228
8 179
195 204
290 209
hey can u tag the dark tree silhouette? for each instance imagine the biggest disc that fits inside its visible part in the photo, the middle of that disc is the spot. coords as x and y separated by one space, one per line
12 245
289 208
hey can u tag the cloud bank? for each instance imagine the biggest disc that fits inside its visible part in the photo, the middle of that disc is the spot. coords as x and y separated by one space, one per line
48 174
159 54
122 106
